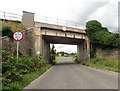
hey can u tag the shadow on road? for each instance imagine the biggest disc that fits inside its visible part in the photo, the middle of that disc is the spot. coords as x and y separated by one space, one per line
65 61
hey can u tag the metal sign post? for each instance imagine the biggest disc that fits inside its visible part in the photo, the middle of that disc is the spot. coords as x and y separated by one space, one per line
17 48
17 36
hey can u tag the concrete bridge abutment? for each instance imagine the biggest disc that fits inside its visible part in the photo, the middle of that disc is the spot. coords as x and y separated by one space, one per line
83 52
45 50
44 34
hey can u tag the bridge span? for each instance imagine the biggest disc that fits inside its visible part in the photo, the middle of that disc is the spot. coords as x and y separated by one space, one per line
45 34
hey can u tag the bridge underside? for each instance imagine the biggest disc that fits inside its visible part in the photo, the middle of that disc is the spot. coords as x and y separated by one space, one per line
62 40
81 46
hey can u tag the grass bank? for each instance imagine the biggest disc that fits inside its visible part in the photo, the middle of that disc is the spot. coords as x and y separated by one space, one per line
19 72
27 79
104 63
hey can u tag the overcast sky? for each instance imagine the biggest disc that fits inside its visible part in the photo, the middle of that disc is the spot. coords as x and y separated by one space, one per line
80 11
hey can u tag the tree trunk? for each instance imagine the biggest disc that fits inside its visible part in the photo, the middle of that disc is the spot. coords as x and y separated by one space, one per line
92 50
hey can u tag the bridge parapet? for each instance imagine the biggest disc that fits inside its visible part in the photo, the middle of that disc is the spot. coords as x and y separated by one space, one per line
58 27
56 30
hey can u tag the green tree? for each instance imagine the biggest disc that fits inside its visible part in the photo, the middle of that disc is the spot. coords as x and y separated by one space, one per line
105 39
52 55
100 36
92 27
9 27
62 53
7 31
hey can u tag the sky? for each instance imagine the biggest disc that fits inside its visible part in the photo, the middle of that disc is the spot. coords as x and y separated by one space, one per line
79 11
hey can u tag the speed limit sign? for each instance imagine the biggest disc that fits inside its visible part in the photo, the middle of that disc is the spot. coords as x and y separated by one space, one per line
18 36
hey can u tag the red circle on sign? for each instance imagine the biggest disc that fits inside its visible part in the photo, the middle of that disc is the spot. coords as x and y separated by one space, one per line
64 28
18 36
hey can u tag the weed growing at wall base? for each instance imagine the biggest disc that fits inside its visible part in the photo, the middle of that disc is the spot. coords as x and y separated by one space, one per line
104 63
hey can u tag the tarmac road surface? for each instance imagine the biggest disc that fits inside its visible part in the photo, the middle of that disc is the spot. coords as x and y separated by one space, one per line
68 75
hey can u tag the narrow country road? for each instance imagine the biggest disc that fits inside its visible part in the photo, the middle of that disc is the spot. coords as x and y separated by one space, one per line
68 75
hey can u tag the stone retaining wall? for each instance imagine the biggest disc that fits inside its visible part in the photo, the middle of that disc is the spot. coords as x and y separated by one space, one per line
26 45
107 53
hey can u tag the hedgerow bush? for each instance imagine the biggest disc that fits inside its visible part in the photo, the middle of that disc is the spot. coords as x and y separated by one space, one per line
52 55
75 59
14 68
9 27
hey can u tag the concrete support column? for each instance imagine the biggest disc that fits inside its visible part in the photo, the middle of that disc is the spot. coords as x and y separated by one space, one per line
43 48
82 52
37 41
88 49
46 50
41 45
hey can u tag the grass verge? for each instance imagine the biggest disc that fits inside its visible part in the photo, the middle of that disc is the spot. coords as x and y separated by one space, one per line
57 58
104 63
28 78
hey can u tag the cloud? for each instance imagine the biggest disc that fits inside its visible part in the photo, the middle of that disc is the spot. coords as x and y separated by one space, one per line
107 15
105 11
72 10
66 48
87 9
